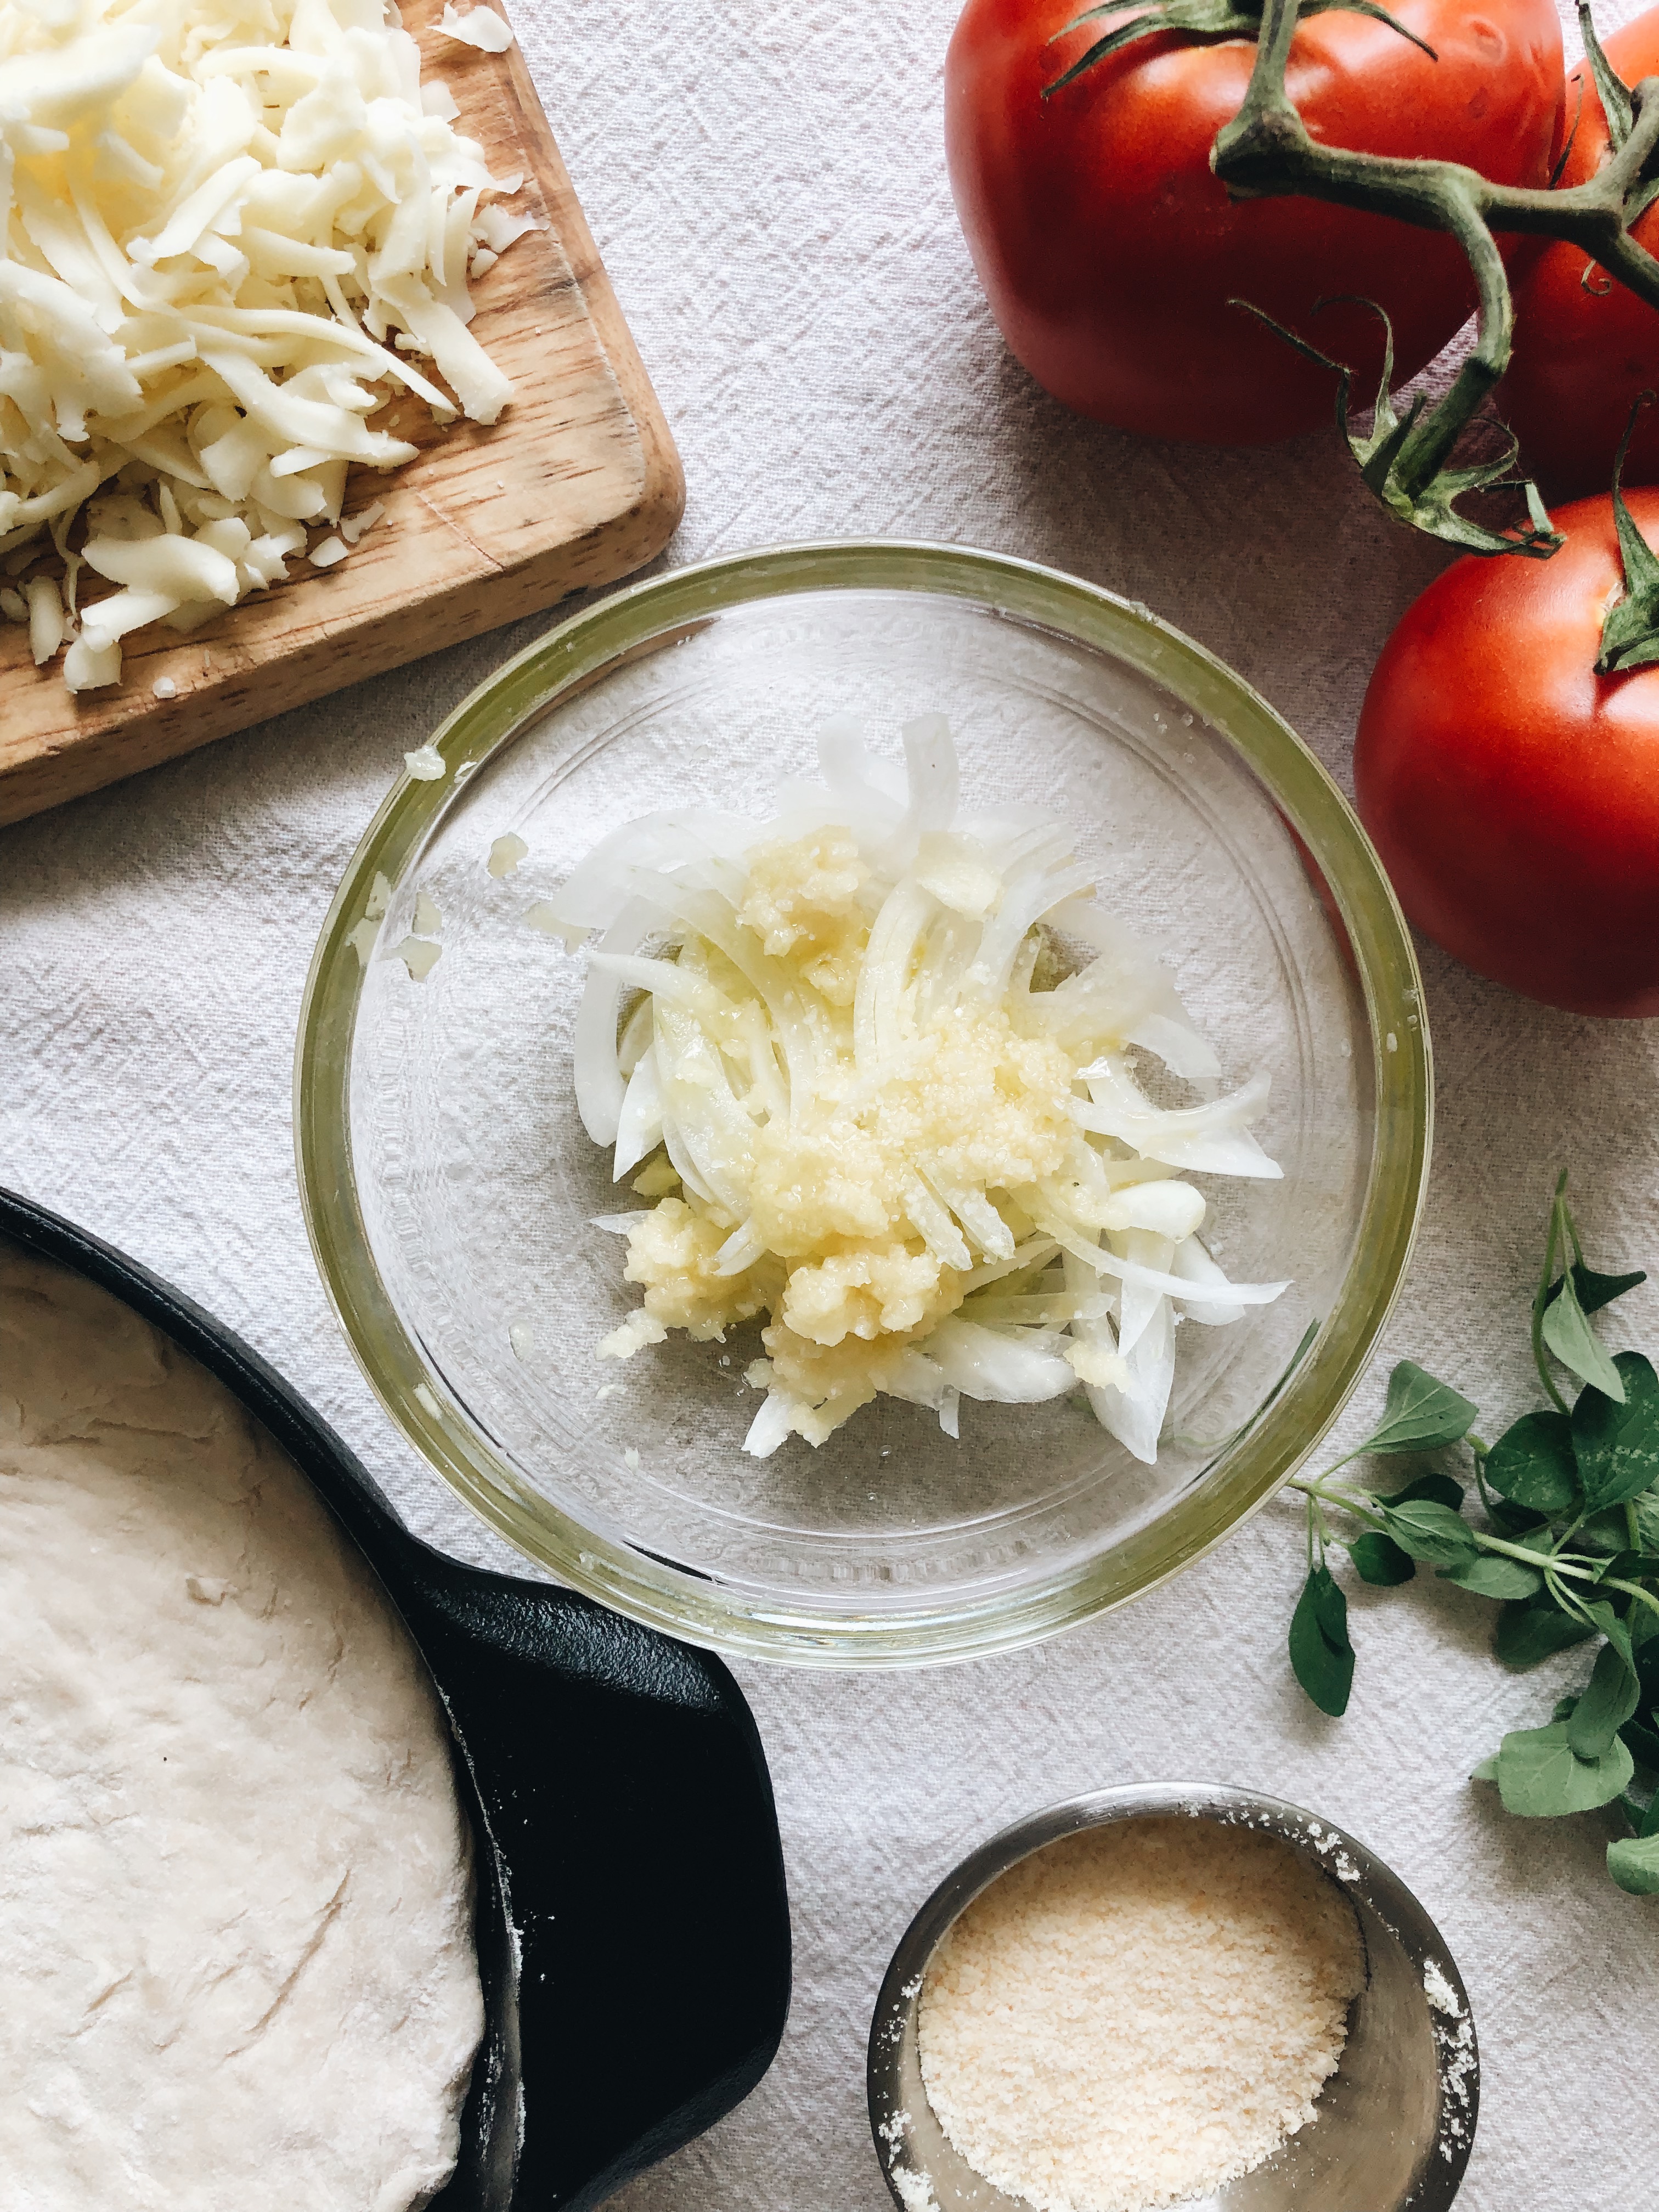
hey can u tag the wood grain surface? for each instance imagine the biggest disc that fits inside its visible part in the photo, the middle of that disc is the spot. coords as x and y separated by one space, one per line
576 485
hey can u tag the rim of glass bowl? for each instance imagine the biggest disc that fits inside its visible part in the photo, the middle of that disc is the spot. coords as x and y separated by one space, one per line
572 655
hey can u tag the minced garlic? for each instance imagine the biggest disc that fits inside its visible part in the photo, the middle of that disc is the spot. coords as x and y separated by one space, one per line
891 1120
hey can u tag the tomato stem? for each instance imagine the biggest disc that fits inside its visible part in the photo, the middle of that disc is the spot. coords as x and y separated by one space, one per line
1266 152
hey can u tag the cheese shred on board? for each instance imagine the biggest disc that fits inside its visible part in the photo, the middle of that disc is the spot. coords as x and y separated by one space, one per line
229 230
880 1075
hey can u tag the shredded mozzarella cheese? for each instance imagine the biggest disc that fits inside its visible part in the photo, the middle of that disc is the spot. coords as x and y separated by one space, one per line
225 226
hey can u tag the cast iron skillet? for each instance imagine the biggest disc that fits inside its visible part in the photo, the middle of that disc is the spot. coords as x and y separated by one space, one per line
632 1927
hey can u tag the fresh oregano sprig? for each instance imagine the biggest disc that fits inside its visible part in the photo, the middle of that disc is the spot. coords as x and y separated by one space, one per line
1566 1543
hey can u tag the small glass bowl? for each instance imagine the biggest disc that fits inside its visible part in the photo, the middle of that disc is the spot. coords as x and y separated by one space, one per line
449 1184
1395 2123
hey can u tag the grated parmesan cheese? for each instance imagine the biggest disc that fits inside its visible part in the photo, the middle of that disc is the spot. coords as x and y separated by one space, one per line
225 226
1138 2013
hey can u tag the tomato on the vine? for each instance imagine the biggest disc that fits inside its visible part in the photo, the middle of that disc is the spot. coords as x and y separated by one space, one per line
1109 251
1585 347
1512 793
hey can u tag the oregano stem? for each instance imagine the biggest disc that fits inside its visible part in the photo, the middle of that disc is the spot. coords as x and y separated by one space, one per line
1573 1564
1315 1489
1632 1589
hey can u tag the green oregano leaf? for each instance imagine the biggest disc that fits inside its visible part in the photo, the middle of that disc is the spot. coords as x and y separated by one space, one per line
1633 1862
1431 1532
1439 1487
1540 1777
1615 1436
1421 1414
1519 1522
1645 1744
1630 1567
1609 1700
1529 1634
1492 1576
1616 1631
1380 1560
1532 1464
1321 1654
1607 1532
1596 1290
1569 1335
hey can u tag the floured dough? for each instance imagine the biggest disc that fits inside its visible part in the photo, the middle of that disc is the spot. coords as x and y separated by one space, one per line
236 1964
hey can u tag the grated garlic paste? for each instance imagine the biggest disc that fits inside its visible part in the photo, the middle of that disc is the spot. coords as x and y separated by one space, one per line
875 1106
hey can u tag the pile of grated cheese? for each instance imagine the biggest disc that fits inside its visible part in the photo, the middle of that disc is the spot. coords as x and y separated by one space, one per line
1138 2013
227 230
877 1107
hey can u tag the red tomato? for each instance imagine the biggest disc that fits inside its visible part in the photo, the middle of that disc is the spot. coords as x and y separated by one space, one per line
1583 352
1513 793
1109 251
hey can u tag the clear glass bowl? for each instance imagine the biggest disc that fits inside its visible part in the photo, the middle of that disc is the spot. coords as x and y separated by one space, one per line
448 1183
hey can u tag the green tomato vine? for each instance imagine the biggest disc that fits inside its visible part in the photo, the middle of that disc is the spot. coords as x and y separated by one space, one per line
1409 463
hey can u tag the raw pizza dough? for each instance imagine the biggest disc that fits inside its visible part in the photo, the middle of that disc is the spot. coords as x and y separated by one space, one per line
236 1962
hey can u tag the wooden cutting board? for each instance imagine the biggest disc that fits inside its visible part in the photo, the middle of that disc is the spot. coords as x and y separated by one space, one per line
578 483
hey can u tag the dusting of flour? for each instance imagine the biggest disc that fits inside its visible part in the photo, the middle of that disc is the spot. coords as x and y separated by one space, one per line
1138 2013
236 1964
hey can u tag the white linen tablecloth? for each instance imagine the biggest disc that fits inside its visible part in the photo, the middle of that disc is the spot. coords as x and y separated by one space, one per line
766 185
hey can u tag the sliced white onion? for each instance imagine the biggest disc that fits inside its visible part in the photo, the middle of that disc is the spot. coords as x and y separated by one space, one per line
741 1249
1213 1137
639 1124
595 891
1022 907
852 775
985 1363
600 1089
1173 1208
1135 1414
1192 1263
772 1425
1139 1301
933 1223
974 1211
1181 1049
879 1026
1172 1285
696 1094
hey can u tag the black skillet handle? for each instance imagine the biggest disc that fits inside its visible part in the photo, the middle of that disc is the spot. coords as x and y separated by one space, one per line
623 1806
624 1789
